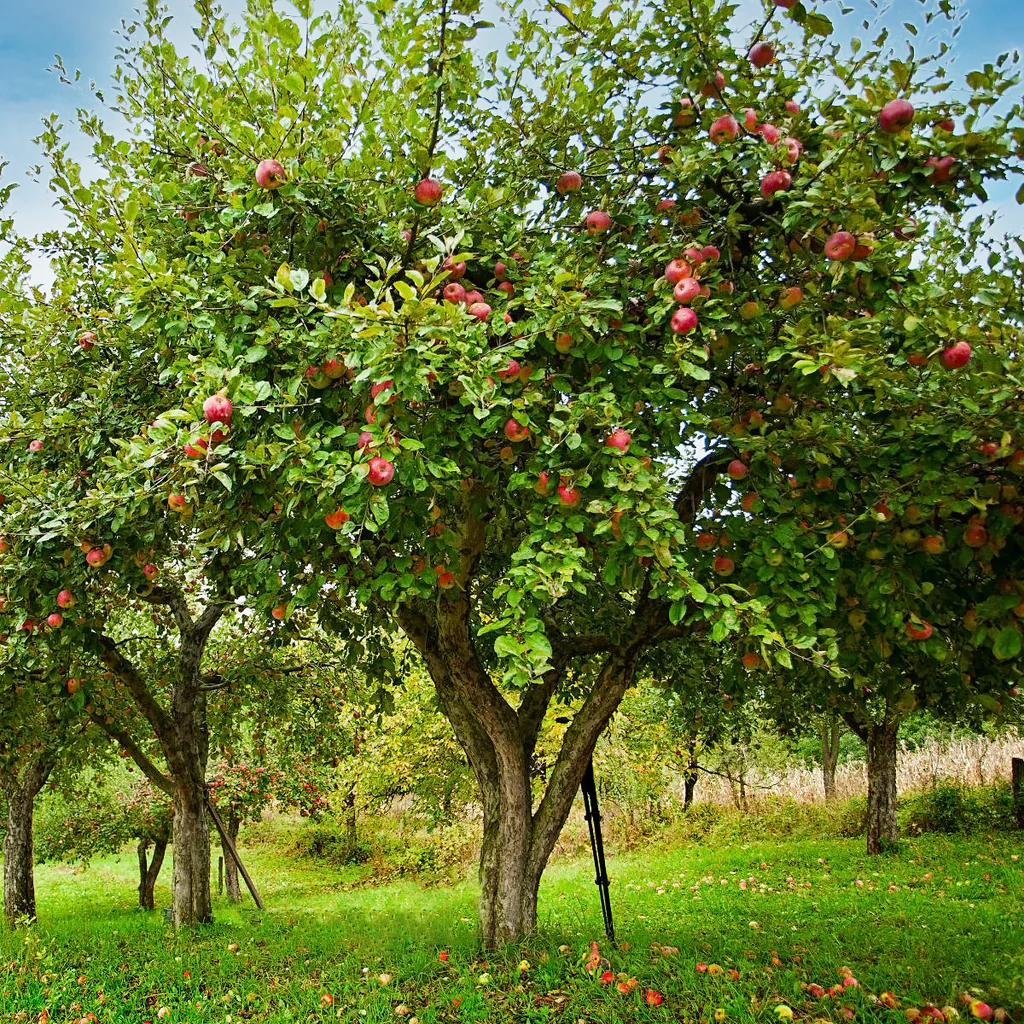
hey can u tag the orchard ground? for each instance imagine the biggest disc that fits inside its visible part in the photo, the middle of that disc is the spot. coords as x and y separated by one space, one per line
939 917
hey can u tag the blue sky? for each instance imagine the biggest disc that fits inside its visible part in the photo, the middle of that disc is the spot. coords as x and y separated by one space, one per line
84 34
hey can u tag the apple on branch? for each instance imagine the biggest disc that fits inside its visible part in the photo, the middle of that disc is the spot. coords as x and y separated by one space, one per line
270 174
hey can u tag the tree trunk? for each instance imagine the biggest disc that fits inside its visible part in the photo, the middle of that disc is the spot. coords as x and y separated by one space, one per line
691 774
149 869
508 887
882 828
19 880
230 867
351 830
191 902
831 731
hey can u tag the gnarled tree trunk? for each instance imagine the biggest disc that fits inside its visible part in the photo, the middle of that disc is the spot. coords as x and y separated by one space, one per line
19 878
499 741
882 828
232 826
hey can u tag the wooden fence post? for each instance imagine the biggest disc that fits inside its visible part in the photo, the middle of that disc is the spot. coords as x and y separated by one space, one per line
1017 775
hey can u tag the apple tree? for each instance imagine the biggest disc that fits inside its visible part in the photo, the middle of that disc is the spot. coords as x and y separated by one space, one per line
486 345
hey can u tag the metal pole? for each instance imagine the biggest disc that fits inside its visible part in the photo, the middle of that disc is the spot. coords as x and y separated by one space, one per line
593 816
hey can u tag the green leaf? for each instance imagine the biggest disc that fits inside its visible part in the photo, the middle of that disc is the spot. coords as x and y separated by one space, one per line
1007 644
255 354
293 82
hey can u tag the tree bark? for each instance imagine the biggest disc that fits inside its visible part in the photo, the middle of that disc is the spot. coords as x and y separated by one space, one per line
230 867
149 868
831 731
691 774
190 886
19 878
882 827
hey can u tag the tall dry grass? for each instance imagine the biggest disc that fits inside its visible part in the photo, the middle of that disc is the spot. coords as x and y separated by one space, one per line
965 761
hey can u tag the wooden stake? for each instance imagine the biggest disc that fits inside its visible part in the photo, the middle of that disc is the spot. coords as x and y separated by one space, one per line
230 847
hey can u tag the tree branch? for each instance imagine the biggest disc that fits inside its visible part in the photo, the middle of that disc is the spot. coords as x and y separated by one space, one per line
154 713
175 600
150 770
701 479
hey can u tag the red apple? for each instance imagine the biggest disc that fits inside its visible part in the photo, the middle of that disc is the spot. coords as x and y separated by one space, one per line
683 320
723 566
737 469
87 340
956 356
751 660
507 288
686 290
568 495
176 502
543 483
895 116
942 168
761 55
686 115
790 297
934 544
270 174
792 106
724 129
65 599
95 557
516 431
55 620
472 297
480 310
619 439
196 449
568 182
454 292
217 409
975 535
150 571
428 192
511 372
35 446
921 632
380 471
841 245
335 520
456 271
677 271
598 222
714 86
563 344
279 612
775 181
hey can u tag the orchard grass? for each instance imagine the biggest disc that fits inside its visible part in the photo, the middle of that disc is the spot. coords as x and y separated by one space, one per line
939 916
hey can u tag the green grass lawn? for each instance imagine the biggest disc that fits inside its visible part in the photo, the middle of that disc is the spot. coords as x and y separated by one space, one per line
944 915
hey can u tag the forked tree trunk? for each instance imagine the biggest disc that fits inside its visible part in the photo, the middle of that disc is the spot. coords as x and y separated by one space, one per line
19 879
149 869
230 867
831 732
882 827
191 900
